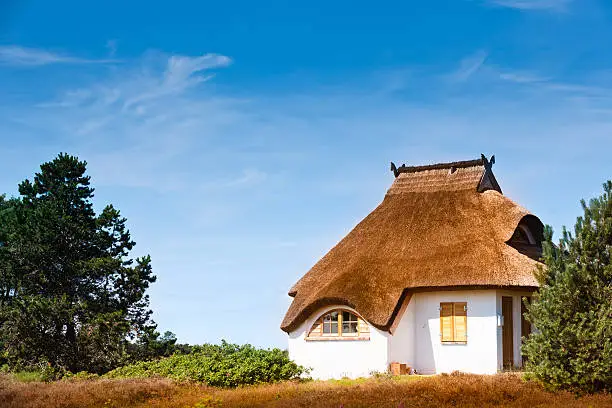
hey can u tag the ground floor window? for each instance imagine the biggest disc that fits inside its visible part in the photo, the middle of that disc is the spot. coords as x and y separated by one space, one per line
453 322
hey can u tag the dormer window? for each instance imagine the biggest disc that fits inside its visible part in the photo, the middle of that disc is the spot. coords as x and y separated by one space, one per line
339 324
522 235
527 241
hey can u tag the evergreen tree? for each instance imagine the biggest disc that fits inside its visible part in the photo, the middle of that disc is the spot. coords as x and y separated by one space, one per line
154 345
71 294
572 314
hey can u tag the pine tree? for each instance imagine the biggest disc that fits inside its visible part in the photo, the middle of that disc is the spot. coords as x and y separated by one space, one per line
572 314
72 295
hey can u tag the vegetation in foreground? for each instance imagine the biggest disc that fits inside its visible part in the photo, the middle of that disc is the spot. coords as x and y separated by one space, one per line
572 346
507 390
225 365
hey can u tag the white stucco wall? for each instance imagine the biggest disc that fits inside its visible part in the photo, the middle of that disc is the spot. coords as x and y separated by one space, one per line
480 353
416 339
338 358
402 342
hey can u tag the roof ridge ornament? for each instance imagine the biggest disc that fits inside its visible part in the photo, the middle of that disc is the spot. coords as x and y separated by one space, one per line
487 163
488 181
395 170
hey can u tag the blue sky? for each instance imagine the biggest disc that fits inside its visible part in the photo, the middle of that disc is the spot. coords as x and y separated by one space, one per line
242 140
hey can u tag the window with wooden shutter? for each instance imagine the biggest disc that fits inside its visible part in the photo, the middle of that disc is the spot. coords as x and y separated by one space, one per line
453 322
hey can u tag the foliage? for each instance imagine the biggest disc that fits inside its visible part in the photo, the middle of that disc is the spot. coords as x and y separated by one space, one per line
40 372
69 293
152 345
572 344
29 376
225 365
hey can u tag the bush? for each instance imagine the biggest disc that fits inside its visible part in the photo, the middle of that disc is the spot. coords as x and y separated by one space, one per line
28 376
41 372
225 365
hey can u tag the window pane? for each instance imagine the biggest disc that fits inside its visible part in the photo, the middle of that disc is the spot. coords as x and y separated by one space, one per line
348 317
330 317
349 327
326 327
334 327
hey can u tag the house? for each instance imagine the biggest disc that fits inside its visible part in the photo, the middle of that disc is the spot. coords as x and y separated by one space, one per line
433 278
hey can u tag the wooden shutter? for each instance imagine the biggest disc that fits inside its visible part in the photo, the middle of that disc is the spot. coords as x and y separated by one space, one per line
446 321
460 322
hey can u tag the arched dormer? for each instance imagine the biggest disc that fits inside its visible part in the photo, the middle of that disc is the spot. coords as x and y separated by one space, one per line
522 235
339 324
527 237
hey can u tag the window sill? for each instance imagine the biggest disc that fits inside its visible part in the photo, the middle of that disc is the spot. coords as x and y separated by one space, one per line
453 342
330 338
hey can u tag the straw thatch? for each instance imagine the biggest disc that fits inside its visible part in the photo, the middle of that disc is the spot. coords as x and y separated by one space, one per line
433 230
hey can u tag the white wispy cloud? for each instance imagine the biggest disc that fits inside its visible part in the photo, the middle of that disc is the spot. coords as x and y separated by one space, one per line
469 65
181 73
572 90
145 108
137 88
553 5
23 56
248 176
522 77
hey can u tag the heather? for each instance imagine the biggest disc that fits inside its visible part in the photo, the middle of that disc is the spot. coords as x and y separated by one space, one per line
460 390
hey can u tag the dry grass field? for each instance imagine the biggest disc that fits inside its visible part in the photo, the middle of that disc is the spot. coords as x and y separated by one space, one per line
505 390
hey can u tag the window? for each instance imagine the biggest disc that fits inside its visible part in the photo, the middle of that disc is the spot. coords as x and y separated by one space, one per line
339 324
453 322
522 235
349 323
330 323
525 243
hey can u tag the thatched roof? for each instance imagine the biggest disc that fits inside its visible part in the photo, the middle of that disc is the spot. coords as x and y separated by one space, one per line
439 226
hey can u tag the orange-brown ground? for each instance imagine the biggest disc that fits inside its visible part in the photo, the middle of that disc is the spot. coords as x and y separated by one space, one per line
436 391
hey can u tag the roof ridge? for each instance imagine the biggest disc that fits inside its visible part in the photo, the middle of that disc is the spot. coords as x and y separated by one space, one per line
437 166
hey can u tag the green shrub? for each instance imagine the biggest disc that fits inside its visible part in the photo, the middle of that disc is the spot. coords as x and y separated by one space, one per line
42 371
224 365
28 376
